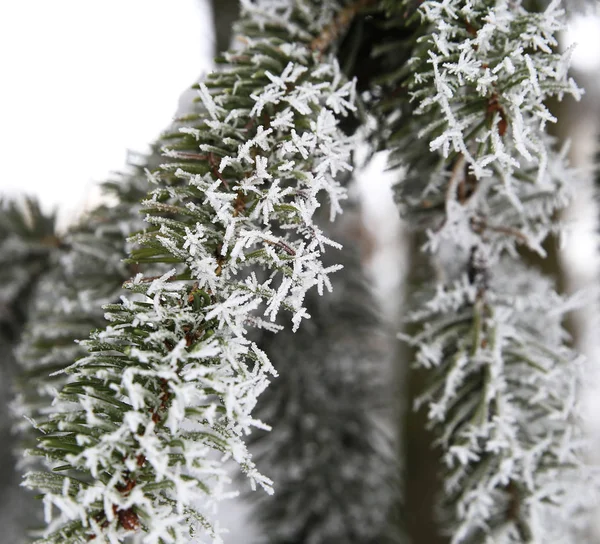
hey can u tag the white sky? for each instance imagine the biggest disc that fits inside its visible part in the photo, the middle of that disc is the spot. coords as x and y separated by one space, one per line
584 31
82 81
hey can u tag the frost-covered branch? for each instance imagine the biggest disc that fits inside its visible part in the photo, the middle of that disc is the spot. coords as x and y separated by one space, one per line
86 272
503 396
27 240
485 185
166 393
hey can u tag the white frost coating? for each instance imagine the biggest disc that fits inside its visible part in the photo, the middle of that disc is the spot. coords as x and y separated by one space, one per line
188 377
490 63
519 429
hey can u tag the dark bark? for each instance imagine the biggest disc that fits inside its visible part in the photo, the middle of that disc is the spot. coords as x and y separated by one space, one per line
225 13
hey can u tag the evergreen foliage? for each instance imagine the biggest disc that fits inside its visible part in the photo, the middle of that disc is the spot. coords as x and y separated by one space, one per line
503 385
153 408
174 377
331 451
27 242
27 237
84 273
503 398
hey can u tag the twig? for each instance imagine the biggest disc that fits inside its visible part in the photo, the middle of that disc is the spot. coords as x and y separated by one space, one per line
339 25
480 224
283 246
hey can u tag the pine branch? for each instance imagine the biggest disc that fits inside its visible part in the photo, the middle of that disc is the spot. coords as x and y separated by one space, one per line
166 392
27 244
86 272
136 440
27 239
503 397
485 185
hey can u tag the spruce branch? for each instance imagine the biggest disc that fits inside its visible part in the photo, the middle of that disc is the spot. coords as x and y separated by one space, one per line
85 272
139 434
482 180
27 240
503 397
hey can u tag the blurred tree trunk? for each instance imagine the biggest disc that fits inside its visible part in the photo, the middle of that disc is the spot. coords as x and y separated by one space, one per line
225 13
423 463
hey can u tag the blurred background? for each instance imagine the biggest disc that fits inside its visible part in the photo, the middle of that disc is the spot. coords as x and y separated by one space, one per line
85 83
